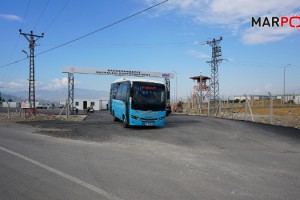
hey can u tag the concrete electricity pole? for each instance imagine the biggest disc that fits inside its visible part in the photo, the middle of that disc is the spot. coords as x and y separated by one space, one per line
284 67
200 90
31 38
214 63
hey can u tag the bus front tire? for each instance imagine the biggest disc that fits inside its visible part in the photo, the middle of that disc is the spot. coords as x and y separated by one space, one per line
115 119
124 122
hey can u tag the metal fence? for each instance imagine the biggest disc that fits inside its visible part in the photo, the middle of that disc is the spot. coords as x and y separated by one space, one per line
268 109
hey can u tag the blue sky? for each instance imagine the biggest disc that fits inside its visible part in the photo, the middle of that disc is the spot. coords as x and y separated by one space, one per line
165 39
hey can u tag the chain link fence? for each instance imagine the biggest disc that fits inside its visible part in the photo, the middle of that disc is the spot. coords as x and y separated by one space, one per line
264 109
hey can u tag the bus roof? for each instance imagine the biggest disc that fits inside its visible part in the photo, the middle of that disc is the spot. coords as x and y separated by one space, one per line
136 80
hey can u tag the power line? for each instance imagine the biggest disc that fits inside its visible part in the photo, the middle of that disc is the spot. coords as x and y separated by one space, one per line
37 22
140 45
103 28
17 41
25 15
15 62
148 44
58 14
91 33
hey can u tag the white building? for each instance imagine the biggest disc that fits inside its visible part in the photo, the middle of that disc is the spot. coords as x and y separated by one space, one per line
83 104
255 97
288 98
297 99
241 98
9 104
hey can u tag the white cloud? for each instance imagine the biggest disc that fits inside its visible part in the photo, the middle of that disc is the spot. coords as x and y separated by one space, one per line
58 83
235 15
196 43
15 85
266 34
11 17
242 10
22 85
268 86
18 85
264 89
198 54
257 91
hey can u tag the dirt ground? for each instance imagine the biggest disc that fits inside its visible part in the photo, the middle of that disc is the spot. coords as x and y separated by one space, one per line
282 114
285 116
16 117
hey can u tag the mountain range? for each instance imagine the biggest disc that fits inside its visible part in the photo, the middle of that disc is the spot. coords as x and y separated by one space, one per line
58 95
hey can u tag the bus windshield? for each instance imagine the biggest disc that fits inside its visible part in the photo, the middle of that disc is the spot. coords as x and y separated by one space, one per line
148 96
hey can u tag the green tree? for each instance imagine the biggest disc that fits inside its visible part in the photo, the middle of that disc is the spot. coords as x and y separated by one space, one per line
236 101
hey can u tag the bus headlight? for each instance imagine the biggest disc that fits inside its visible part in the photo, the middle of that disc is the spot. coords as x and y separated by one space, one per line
134 117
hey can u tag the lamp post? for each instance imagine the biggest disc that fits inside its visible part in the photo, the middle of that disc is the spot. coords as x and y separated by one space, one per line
1 95
200 90
25 53
176 86
284 67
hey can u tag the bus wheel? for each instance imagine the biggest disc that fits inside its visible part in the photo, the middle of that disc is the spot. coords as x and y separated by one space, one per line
115 119
125 125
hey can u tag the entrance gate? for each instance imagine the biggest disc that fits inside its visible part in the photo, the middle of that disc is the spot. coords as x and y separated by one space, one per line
115 72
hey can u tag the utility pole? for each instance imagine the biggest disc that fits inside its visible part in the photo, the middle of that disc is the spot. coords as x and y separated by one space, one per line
271 108
176 88
284 67
70 106
214 63
31 38
167 84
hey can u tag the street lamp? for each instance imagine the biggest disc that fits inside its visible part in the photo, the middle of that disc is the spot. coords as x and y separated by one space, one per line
284 67
25 53
176 86
0 92
1 100
200 91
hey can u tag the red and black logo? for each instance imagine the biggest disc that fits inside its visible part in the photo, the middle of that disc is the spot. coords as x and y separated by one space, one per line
292 22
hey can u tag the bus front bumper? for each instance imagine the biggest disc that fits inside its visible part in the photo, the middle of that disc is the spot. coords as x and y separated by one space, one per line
136 121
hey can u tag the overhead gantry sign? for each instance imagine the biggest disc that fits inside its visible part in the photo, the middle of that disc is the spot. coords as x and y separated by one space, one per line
115 72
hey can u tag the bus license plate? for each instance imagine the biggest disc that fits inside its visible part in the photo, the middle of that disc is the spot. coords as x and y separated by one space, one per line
148 124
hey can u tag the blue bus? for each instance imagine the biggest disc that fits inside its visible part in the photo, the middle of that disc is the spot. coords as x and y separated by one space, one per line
138 102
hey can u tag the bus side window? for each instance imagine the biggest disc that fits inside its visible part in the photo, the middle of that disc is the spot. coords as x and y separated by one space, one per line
119 92
126 91
131 91
162 96
122 97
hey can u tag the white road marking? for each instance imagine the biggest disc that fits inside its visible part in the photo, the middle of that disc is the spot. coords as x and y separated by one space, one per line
64 175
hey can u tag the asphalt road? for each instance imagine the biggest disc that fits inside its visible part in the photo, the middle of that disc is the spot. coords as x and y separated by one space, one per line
192 157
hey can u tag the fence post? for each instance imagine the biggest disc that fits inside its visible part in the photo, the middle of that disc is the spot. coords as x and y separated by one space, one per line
271 108
250 109
245 110
8 111
233 108
220 107
208 106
